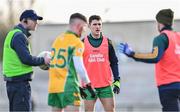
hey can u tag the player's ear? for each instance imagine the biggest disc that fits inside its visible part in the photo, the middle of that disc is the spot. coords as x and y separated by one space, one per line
25 20
79 25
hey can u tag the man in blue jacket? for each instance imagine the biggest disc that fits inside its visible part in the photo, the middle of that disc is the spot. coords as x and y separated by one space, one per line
18 62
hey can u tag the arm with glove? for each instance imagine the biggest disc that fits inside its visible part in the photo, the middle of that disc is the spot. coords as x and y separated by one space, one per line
126 49
114 67
79 66
151 57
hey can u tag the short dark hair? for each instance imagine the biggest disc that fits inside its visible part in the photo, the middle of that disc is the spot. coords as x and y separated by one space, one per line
94 17
77 16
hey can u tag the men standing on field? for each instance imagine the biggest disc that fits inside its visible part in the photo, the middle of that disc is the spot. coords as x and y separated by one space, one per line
66 63
101 63
166 56
18 62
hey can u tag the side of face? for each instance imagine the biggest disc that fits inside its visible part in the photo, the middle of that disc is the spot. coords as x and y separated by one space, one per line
96 27
81 26
31 24
159 26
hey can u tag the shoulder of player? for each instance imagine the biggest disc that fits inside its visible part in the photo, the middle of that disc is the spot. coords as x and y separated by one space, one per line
109 40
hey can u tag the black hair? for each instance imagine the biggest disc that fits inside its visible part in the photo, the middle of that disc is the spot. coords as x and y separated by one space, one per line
94 17
77 16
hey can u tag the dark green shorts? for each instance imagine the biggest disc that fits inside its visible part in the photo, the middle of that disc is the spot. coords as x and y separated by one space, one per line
61 100
104 92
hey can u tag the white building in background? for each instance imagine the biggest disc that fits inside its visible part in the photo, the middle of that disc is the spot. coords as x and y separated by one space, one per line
139 34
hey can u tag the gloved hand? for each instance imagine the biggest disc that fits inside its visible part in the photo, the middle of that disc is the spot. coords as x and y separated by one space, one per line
93 94
89 88
126 49
83 94
116 86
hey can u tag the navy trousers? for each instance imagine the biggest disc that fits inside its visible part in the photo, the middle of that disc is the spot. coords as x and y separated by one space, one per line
170 99
19 95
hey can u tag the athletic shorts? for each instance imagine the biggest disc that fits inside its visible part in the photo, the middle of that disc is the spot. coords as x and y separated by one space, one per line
61 100
104 92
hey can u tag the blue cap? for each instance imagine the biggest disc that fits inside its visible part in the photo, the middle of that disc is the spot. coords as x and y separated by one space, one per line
30 14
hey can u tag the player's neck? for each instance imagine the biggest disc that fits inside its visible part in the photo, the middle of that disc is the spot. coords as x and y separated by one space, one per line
74 30
96 36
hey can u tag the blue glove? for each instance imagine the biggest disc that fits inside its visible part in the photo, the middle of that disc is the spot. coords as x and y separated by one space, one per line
116 86
126 49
